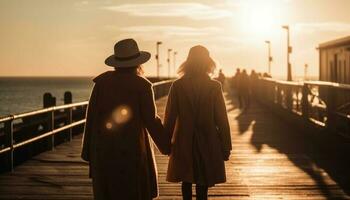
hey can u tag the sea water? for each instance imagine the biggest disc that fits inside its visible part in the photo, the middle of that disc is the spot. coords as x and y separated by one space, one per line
18 95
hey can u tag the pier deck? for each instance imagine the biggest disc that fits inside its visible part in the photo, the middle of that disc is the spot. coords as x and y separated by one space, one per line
270 160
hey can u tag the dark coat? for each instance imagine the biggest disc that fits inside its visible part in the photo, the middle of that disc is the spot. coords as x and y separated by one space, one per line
213 131
116 142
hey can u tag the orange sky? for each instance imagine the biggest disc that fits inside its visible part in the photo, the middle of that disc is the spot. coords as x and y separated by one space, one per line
72 38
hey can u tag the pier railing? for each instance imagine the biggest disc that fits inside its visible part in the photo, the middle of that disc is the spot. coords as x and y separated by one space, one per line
26 134
316 103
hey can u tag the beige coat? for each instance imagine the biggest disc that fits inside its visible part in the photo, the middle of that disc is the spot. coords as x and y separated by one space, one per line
213 128
115 141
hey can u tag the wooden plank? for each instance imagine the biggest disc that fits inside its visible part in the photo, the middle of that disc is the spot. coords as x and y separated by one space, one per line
266 163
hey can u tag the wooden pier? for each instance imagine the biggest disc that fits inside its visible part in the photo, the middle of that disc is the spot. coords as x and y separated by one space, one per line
270 160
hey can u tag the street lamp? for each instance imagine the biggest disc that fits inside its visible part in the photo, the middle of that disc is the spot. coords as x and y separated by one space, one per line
306 66
169 50
289 51
269 55
157 57
174 62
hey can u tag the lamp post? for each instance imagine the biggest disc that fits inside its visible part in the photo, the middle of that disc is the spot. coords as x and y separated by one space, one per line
289 51
306 66
269 55
169 50
157 57
174 62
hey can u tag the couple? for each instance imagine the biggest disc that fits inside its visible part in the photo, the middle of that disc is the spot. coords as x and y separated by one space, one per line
195 134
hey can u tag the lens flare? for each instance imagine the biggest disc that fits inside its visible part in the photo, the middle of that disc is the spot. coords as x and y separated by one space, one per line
124 112
109 125
121 115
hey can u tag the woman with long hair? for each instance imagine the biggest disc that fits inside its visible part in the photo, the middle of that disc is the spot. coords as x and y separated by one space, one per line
196 118
115 142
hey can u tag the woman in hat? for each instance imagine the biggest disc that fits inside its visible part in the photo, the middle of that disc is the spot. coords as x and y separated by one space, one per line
196 118
115 142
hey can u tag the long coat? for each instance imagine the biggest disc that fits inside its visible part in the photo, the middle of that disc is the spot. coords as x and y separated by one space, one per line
116 142
196 106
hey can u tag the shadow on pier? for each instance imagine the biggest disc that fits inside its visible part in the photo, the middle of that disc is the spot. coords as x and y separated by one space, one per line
321 157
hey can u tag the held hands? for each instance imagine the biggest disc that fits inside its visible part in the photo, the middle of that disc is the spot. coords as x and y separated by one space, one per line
226 155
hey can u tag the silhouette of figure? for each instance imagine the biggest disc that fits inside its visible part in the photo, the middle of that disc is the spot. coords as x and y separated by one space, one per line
236 85
266 75
253 78
115 142
253 75
244 89
235 78
196 118
221 78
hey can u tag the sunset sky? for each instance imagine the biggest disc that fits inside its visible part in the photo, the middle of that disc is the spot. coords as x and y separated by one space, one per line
73 38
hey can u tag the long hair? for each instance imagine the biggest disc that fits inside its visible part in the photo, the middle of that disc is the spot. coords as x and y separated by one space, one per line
138 70
198 62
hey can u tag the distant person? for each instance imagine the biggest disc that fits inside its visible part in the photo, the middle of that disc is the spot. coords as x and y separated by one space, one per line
235 78
236 81
253 81
221 78
196 118
267 75
244 89
115 142
253 75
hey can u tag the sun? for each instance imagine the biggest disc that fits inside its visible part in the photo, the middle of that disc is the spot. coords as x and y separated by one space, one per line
261 18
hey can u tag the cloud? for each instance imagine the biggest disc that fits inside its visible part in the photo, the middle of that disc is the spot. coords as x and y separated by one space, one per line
170 30
81 3
238 4
181 34
195 11
213 37
323 27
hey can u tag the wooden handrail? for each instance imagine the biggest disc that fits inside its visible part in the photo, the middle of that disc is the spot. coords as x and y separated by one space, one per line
41 111
330 84
321 108
162 82
315 83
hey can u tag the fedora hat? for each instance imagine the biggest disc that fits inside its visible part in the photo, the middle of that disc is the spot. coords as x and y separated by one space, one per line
127 54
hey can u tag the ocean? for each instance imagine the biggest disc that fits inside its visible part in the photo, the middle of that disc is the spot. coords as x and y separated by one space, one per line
18 95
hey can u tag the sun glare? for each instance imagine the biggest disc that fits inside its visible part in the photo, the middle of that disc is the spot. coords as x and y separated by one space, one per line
261 18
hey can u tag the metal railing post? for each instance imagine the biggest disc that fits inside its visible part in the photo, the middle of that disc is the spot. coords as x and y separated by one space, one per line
279 95
289 97
9 133
275 93
271 92
330 108
51 128
305 102
70 120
